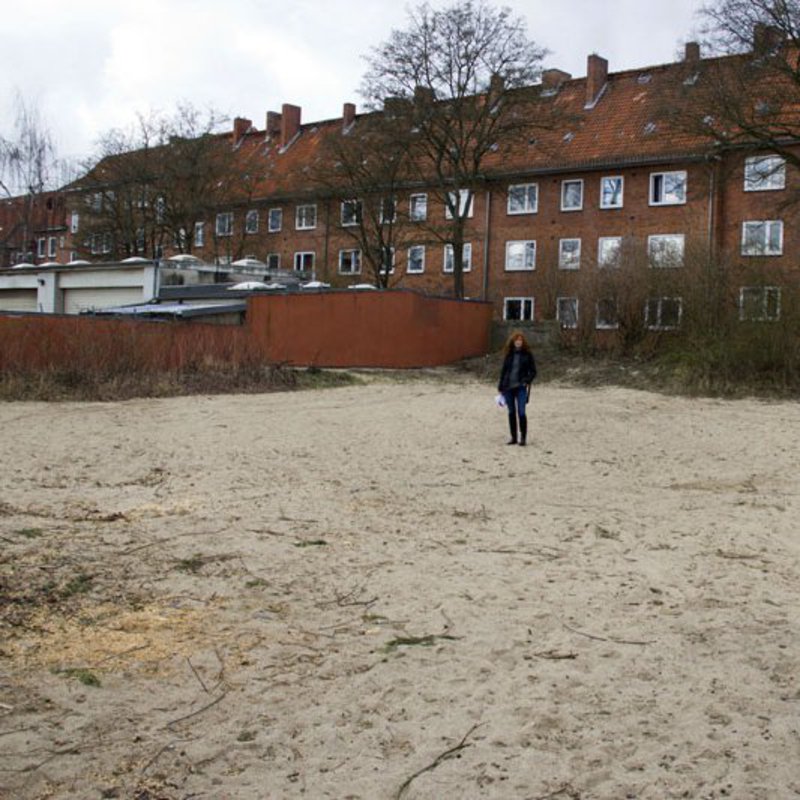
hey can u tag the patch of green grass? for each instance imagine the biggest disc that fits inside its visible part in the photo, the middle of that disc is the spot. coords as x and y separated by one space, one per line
80 584
191 564
310 543
256 583
30 533
85 676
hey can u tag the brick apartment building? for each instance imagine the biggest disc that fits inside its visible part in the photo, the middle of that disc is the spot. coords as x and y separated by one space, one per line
619 190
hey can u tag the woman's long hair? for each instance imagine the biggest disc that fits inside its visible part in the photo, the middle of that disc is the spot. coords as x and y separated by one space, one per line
509 348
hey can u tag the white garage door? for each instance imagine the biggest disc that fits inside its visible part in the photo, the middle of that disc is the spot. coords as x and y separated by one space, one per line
77 300
18 300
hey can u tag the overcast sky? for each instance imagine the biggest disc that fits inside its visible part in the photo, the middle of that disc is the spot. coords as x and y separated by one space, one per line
90 65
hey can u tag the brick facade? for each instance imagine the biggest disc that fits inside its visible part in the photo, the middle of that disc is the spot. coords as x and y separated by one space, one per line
616 172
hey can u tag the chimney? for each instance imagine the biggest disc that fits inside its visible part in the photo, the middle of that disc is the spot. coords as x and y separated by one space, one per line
692 52
290 123
348 115
240 127
423 95
552 79
766 38
273 124
596 78
395 106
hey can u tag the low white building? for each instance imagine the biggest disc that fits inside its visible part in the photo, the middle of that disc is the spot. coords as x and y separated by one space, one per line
73 288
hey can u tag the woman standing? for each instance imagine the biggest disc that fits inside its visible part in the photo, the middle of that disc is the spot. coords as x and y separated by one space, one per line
519 370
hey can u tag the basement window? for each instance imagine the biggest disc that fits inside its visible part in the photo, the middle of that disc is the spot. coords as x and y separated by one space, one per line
567 312
759 303
518 309
663 313
303 261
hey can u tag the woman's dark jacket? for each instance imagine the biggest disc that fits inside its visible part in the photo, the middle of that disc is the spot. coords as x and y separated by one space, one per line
527 370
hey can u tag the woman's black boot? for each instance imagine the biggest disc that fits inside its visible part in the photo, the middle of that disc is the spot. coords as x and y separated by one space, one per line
512 424
523 430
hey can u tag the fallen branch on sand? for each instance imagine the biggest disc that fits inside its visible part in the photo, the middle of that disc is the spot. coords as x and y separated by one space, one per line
451 753
199 711
604 639
423 641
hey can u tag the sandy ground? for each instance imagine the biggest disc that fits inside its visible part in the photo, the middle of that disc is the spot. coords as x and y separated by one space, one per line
363 593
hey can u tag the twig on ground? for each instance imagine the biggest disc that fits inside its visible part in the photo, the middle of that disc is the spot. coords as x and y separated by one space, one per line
554 655
194 671
573 794
450 753
605 639
199 711
168 746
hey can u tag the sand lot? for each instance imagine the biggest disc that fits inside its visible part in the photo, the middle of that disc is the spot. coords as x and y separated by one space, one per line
363 593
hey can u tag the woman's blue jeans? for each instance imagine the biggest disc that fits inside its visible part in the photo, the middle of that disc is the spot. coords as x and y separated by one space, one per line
516 400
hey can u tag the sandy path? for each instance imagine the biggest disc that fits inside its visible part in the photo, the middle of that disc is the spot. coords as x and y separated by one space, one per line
323 594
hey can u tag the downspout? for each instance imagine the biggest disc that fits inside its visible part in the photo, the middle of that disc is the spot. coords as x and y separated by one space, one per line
327 243
712 199
486 242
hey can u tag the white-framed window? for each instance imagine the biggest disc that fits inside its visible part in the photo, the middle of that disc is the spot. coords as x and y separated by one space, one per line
611 191
52 243
523 198
100 243
607 317
520 255
567 312
759 303
466 257
416 259
418 207
305 217
667 188
273 261
388 210
140 240
251 221
609 251
225 223
465 204
351 213
349 262
274 220
666 249
41 247
74 222
387 260
764 173
569 254
303 261
762 238
199 234
572 195
518 309
663 313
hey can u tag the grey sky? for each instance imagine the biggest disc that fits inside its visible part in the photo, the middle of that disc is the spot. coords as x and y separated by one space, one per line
90 65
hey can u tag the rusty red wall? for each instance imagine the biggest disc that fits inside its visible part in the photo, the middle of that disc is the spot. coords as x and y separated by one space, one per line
369 329
341 329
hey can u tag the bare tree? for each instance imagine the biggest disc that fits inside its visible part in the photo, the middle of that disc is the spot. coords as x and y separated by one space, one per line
753 98
362 169
150 186
452 76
